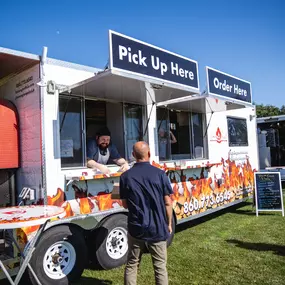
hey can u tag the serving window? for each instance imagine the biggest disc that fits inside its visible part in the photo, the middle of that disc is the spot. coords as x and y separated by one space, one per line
180 134
80 119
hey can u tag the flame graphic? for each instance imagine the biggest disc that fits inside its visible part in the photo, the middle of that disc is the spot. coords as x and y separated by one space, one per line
105 202
68 210
58 199
219 135
86 206
237 177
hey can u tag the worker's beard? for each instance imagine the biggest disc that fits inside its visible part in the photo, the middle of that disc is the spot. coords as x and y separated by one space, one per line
103 148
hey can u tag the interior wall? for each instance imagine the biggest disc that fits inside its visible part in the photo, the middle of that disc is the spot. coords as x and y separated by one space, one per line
114 113
23 91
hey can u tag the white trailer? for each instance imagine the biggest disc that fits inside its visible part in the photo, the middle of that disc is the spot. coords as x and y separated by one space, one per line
60 105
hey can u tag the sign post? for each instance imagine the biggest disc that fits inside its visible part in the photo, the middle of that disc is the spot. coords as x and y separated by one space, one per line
268 192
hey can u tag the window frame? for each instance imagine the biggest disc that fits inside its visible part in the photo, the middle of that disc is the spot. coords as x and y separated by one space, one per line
246 124
191 135
143 118
83 100
83 130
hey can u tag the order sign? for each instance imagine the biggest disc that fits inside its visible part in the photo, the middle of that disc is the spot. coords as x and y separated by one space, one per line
268 192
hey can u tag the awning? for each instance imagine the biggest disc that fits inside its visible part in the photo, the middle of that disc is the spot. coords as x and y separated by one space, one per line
12 62
122 87
118 86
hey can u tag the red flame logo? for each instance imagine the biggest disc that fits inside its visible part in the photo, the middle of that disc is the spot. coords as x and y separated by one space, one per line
219 135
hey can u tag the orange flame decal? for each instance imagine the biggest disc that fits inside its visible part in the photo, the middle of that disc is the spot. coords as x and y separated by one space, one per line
68 210
105 202
236 177
86 206
58 199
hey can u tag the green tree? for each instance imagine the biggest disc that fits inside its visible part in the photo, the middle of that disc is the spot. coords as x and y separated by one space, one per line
269 110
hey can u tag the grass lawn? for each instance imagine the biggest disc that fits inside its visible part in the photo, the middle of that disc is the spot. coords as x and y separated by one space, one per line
231 247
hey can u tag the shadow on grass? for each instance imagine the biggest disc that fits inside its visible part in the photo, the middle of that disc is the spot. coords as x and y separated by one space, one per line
250 212
91 281
253 213
208 217
277 249
81 281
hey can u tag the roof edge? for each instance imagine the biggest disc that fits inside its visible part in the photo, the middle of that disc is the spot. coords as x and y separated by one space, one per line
19 53
72 65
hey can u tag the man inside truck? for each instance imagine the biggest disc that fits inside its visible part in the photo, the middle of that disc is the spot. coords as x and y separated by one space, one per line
101 152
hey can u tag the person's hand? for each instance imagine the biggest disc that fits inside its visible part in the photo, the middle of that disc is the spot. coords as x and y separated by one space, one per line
170 229
105 170
124 167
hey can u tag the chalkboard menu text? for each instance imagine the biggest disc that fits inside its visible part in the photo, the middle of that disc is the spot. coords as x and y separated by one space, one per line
268 192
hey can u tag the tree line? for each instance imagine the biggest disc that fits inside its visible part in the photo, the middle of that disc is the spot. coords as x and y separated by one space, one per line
269 110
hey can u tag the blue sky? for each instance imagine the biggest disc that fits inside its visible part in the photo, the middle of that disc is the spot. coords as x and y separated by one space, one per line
243 38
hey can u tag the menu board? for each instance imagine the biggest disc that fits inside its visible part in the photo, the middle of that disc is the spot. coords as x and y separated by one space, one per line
268 192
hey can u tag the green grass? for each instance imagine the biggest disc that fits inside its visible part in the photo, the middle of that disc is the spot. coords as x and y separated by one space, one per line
232 247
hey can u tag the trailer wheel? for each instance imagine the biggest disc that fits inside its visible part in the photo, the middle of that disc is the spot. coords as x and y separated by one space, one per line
112 242
60 256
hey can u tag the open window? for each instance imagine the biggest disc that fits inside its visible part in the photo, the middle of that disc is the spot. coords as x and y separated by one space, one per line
180 134
81 118
121 102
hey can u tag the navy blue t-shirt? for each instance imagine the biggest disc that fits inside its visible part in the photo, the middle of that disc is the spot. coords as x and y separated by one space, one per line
144 187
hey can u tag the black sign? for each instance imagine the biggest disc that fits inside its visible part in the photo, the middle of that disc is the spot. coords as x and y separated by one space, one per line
137 57
268 191
228 86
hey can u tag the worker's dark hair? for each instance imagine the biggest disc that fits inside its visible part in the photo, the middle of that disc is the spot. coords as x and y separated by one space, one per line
104 131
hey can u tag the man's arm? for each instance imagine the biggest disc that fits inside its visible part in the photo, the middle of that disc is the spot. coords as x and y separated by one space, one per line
168 206
120 161
172 138
93 164
123 193
167 191
115 156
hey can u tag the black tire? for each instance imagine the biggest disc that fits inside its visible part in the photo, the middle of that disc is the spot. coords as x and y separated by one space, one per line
170 239
69 236
104 257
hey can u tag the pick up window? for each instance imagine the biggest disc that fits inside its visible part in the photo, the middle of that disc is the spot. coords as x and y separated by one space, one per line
80 119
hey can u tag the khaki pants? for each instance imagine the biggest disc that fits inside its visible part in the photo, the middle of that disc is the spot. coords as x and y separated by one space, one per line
158 253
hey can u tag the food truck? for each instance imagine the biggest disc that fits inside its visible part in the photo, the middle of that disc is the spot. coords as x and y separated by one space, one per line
144 93
271 144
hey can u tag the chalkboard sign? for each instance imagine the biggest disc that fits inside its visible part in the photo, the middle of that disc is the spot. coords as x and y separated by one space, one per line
268 192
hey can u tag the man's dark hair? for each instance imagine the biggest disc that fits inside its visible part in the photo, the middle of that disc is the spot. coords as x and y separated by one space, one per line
104 131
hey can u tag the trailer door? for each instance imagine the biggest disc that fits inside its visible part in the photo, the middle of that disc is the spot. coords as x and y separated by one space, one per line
9 136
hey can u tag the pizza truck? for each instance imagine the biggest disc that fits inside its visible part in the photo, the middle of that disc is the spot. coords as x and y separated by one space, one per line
48 110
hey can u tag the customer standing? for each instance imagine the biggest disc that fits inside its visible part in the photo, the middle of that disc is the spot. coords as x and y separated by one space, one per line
145 191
